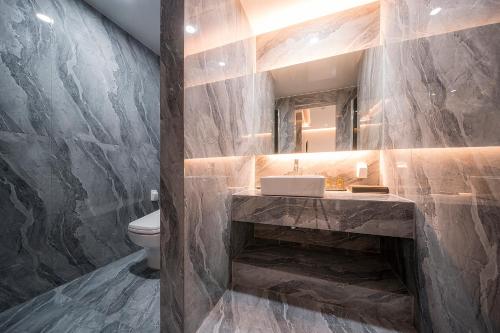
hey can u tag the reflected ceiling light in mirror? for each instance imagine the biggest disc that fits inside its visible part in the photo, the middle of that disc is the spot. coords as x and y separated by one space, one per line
191 29
222 64
45 18
270 15
435 11
453 91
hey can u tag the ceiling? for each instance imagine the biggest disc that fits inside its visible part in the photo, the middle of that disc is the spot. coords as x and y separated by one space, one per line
140 18
320 75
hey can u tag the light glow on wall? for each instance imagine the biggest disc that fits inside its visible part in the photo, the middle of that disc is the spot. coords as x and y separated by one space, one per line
270 15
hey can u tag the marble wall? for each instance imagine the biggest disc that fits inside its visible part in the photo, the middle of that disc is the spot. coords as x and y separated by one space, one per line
330 165
219 117
370 104
79 143
339 33
441 97
434 114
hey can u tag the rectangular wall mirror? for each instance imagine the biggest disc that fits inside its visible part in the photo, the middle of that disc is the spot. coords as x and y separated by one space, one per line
326 105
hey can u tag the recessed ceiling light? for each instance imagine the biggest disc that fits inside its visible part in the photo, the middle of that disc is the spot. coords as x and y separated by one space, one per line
190 29
454 90
45 18
433 94
222 63
435 11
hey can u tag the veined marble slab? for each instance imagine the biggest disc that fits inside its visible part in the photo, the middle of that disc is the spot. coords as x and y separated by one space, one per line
218 23
442 91
373 214
411 19
228 118
457 196
344 32
331 165
326 238
221 63
122 296
348 279
264 311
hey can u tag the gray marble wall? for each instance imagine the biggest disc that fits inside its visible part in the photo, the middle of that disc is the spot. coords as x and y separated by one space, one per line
79 143
370 105
338 33
214 119
441 98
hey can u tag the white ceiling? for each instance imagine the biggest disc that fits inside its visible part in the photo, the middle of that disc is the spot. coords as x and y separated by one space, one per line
140 18
321 75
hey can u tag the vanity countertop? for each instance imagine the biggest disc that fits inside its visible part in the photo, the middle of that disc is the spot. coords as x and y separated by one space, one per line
334 195
362 213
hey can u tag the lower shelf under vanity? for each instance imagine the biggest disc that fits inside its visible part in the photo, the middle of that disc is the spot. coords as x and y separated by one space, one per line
311 275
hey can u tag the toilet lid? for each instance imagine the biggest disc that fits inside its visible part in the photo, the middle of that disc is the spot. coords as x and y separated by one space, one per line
149 224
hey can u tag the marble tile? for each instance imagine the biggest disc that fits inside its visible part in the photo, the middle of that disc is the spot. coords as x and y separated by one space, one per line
26 59
344 114
24 204
457 195
64 64
68 204
233 170
123 108
245 311
338 240
219 118
346 279
225 62
372 214
447 86
218 23
225 118
172 166
207 271
123 296
370 100
79 114
410 19
339 33
264 109
331 165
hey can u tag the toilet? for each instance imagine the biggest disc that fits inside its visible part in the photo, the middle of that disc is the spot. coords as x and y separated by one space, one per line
145 232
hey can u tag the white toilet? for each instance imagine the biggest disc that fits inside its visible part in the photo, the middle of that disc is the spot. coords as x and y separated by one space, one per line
145 232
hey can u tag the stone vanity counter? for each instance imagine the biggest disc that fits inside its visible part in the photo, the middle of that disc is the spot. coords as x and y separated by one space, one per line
373 214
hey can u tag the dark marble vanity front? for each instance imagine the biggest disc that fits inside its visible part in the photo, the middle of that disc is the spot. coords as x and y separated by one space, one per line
342 252
372 214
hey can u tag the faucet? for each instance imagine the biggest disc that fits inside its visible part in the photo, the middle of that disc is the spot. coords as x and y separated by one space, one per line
296 167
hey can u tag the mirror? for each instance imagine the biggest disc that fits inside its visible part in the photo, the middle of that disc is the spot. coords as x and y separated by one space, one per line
331 104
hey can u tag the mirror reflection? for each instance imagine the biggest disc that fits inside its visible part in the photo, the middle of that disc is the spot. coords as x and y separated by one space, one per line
328 105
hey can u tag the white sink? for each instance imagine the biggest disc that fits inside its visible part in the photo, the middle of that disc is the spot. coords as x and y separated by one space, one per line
297 186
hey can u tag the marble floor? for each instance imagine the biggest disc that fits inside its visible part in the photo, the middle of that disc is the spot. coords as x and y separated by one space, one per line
123 296
245 311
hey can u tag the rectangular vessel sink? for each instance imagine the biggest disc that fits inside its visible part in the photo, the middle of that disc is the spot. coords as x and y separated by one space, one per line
297 186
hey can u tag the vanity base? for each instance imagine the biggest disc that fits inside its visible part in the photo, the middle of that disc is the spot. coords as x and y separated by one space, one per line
344 279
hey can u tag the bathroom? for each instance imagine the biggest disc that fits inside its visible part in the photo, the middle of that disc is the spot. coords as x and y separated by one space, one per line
249 166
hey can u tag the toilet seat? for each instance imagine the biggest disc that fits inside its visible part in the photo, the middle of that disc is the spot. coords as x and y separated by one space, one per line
147 225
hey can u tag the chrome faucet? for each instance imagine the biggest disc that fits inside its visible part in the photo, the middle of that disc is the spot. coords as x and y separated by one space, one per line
296 167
